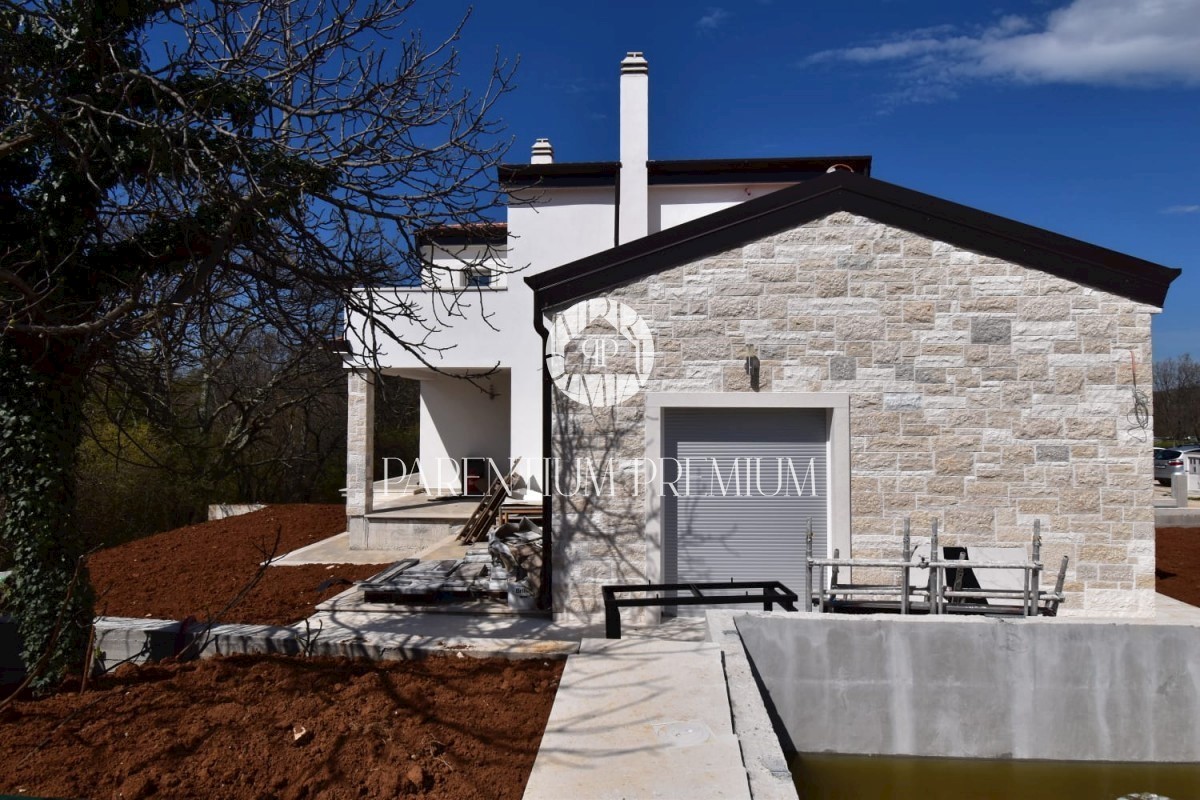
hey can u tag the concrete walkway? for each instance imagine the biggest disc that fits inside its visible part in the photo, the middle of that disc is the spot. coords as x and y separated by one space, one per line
336 550
638 718
422 506
1168 609
1177 517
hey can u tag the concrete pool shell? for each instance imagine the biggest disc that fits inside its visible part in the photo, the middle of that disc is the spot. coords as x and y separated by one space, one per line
965 688
979 688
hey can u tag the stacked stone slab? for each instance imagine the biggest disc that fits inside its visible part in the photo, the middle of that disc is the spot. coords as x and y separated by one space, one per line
360 455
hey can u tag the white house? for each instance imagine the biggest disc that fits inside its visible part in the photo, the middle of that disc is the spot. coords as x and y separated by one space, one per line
922 359
559 212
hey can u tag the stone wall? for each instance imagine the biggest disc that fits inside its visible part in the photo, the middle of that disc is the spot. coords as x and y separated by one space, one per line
225 510
984 394
360 454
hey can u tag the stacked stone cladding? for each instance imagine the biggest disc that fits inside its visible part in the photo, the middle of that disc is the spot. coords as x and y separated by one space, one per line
360 454
984 395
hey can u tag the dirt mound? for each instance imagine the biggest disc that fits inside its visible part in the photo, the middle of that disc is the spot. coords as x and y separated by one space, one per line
1177 562
253 727
195 571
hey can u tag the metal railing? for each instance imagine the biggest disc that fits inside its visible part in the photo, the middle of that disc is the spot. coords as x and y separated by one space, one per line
771 593
943 592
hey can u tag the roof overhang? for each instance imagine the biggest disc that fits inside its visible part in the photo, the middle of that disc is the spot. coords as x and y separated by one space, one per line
490 233
692 171
932 217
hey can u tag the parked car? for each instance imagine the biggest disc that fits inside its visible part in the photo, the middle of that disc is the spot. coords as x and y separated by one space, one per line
1168 459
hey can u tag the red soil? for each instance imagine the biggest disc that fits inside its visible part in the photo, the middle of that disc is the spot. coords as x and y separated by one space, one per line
223 728
196 571
1178 563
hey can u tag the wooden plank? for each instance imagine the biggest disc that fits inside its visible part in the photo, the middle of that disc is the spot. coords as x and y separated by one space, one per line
485 513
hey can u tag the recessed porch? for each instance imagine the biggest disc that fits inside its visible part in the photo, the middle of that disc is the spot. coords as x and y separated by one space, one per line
407 505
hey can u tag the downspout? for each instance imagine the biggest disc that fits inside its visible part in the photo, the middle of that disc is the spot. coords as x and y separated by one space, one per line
617 208
545 596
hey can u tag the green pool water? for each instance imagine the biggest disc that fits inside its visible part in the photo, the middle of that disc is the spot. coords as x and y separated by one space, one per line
833 777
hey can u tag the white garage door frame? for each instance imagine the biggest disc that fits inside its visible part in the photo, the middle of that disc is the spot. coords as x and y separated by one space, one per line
837 408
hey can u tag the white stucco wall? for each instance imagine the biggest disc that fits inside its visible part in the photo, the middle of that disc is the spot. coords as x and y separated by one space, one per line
459 421
449 265
479 329
451 330
550 227
673 205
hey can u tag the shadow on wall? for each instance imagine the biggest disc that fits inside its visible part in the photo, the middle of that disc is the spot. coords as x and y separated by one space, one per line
599 536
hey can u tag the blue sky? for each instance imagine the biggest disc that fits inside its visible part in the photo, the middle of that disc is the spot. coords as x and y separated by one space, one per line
1080 116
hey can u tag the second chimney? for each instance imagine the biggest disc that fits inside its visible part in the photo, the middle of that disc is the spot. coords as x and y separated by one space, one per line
634 212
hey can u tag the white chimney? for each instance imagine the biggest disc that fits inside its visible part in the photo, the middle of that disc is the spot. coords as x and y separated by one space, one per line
634 212
543 152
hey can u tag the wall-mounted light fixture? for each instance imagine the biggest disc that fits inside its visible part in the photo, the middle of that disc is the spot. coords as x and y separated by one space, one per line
752 366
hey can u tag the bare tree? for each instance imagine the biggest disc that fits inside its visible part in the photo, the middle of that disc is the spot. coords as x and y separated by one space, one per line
1177 400
181 178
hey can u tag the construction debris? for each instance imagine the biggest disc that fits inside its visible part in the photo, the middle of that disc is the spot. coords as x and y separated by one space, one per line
413 581
507 566
516 550
939 588
484 516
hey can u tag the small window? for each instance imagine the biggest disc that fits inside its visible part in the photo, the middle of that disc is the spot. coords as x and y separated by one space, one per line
479 277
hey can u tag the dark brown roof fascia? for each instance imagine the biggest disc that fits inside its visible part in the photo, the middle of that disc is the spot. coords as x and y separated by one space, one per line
709 171
962 226
752 170
584 173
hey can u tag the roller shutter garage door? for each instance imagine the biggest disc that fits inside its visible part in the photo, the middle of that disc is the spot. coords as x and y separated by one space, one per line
746 482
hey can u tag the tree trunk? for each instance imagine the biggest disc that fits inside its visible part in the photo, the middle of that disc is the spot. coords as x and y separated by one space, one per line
41 413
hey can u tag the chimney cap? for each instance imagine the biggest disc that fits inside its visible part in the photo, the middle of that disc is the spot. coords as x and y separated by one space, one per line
634 63
543 152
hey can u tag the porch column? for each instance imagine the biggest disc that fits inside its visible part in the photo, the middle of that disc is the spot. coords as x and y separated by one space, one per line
360 453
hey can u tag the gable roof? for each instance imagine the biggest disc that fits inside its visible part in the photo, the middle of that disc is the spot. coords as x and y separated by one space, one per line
887 203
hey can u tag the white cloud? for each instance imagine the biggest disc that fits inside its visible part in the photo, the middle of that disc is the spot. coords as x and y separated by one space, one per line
712 19
1107 42
1185 209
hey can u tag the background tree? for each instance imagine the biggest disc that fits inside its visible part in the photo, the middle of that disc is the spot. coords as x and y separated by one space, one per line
1177 400
179 456
184 181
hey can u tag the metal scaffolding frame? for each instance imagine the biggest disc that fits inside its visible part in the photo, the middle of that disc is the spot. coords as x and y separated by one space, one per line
943 592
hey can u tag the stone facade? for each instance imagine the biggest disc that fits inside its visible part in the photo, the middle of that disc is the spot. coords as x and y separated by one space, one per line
984 394
360 454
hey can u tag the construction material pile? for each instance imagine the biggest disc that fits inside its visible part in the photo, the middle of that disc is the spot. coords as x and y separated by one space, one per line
516 562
